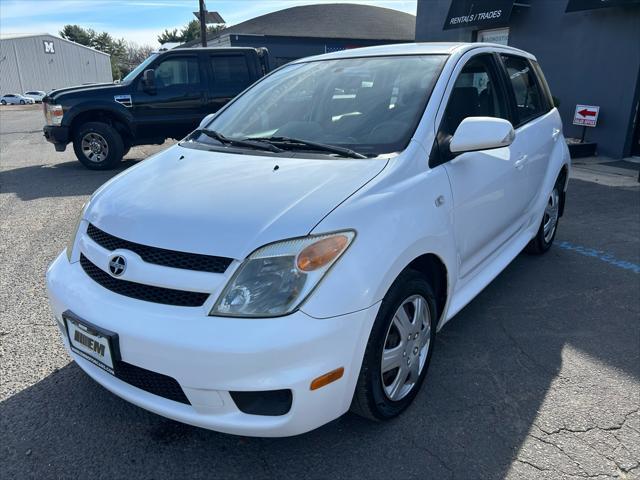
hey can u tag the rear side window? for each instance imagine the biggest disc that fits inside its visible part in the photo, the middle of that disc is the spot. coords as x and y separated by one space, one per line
529 99
546 91
230 74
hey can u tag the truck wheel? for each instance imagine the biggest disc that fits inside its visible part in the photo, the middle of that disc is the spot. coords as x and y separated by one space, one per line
98 146
126 145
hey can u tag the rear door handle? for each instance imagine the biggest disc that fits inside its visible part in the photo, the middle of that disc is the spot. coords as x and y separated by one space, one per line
519 164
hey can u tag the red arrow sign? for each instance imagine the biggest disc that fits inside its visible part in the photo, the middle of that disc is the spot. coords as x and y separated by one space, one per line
587 113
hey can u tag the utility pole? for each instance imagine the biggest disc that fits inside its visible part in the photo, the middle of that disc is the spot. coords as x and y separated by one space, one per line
203 23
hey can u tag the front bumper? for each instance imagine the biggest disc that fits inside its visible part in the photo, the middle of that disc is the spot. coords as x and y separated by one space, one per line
58 135
211 356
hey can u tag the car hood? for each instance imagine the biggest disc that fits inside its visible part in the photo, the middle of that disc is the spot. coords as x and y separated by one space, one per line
224 204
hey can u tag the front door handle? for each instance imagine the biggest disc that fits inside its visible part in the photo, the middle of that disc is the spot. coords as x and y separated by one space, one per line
519 164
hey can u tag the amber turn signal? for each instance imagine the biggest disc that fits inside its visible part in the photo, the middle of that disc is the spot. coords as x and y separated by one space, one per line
327 378
322 252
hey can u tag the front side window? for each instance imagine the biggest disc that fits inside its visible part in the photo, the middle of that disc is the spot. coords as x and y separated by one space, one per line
475 94
528 97
177 71
370 105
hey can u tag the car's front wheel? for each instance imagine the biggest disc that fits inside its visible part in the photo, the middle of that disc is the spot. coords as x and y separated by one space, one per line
399 349
21 102
98 146
3 102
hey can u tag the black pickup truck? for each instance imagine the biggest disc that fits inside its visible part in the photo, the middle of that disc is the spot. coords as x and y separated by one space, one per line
166 96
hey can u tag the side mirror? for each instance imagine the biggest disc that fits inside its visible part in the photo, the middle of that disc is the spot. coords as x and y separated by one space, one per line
206 120
481 133
149 79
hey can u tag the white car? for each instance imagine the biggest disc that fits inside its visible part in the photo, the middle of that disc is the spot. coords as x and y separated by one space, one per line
15 99
35 95
294 257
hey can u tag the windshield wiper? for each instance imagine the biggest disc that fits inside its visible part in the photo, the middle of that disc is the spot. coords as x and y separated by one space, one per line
234 142
288 142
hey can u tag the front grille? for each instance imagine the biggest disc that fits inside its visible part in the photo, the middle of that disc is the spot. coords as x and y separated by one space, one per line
148 293
152 382
161 256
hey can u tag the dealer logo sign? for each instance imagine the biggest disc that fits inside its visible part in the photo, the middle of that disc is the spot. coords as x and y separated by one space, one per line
48 47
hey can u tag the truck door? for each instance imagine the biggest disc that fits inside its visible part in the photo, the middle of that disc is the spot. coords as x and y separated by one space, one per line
174 105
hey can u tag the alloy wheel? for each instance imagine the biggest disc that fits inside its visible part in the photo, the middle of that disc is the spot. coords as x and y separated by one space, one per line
95 147
406 347
550 219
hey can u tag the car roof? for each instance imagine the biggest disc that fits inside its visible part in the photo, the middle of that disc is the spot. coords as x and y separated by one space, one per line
440 48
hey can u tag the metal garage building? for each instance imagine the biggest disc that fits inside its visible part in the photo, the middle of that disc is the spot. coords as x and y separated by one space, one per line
302 31
45 62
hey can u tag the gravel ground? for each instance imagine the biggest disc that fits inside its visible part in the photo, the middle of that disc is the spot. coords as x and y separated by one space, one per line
538 378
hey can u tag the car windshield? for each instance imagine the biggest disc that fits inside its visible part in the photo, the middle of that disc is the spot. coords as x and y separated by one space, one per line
134 73
368 105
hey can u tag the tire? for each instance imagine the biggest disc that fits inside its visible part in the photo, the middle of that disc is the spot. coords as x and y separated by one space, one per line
98 146
549 224
380 392
21 102
126 145
3 102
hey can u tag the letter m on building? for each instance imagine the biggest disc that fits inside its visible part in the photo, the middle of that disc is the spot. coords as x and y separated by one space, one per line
48 47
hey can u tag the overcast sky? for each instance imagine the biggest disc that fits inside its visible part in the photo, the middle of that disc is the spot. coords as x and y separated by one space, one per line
142 20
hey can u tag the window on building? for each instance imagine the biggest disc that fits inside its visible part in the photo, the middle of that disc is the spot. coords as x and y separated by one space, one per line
528 97
495 35
475 94
230 74
177 71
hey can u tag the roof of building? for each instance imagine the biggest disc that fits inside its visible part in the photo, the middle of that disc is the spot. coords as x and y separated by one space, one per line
333 20
15 36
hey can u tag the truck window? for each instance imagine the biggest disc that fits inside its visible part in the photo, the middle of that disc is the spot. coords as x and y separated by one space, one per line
177 71
230 74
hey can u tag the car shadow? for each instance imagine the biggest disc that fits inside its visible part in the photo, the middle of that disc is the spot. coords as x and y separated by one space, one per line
57 180
493 367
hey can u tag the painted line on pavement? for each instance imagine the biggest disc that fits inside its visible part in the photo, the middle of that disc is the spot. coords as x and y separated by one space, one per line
600 255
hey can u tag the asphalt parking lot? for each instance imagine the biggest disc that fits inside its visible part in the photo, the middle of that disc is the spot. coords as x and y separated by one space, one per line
539 377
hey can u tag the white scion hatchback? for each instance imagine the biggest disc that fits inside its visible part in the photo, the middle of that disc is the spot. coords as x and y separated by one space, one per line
294 256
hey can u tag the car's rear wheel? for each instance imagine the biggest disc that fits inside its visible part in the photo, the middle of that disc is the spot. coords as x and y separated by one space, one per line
399 349
549 225
98 146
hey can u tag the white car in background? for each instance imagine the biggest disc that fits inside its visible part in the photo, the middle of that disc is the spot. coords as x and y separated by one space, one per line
35 95
15 99
294 257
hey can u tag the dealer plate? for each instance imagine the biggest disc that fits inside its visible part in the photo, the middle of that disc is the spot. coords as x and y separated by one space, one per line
97 345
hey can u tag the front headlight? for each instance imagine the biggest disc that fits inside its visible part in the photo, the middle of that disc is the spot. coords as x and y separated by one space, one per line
275 279
53 114
71 241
